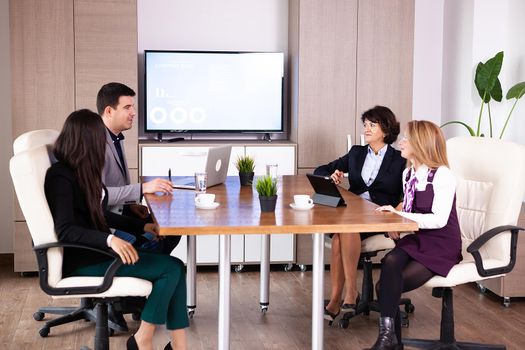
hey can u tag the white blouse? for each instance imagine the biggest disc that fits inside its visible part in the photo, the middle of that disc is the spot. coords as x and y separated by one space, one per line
444 190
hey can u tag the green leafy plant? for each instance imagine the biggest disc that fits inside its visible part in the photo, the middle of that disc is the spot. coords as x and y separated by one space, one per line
489 88
266 186
245 164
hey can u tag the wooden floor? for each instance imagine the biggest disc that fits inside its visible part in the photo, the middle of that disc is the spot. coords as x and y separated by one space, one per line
287 325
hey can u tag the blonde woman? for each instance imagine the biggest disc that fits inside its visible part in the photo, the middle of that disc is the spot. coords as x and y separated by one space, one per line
429 199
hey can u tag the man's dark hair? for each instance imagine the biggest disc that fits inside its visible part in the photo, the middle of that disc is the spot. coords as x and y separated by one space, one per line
109 94
386 120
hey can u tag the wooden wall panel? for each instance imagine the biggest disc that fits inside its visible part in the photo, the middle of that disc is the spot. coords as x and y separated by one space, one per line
42 63
326 79
25 258
385 52
106 51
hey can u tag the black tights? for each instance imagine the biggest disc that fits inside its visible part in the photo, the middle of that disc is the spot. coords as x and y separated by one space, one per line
399 273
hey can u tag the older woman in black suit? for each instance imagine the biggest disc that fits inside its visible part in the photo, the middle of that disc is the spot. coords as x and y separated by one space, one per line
375 174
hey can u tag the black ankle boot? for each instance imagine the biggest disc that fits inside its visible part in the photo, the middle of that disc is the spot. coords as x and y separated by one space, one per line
386 339
131 344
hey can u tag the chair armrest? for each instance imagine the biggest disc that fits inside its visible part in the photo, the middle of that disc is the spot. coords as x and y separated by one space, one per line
41 255
474 247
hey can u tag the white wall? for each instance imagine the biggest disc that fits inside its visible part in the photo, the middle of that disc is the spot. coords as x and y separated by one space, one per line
428 58
210 25
6 205
475 30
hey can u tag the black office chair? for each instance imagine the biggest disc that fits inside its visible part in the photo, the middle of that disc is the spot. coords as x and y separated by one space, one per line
370 247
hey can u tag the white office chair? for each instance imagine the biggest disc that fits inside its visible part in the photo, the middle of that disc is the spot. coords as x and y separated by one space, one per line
34 138
490 186
28 169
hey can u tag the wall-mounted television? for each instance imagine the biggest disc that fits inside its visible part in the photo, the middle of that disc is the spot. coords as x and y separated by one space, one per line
225 92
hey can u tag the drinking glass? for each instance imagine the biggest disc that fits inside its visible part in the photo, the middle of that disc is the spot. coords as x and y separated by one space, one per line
201 178
271 169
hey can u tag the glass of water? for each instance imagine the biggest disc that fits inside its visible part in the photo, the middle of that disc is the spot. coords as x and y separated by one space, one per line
271 169
201 179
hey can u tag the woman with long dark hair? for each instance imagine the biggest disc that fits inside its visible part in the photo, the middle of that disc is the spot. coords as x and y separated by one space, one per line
77 199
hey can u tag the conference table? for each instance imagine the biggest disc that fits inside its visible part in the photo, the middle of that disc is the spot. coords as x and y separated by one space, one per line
239 213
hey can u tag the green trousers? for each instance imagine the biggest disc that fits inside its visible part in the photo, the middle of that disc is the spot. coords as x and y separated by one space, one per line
167 302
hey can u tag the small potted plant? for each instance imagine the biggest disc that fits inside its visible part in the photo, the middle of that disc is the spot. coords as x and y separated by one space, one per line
246 167
266 186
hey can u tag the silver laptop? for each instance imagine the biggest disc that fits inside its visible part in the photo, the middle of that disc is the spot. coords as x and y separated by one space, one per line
217 163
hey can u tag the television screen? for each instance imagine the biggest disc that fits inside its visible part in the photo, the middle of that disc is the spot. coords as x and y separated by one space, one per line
214 91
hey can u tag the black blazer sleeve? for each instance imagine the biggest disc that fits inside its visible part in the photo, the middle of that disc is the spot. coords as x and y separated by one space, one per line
338 164
61 197
128 224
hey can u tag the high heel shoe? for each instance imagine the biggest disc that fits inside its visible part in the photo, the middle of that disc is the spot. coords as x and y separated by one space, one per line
330 316
345 308
131 344
168 346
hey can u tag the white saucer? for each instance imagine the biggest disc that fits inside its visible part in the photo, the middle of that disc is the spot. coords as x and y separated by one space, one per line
295 207
214 205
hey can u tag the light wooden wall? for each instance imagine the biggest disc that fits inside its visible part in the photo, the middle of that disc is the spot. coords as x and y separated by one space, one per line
327 68
385 55
346 56
62 52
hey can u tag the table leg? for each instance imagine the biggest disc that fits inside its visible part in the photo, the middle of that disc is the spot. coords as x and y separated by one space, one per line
191 275
317 291
224 292
264 299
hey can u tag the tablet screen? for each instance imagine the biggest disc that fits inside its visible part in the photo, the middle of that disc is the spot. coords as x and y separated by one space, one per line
324 185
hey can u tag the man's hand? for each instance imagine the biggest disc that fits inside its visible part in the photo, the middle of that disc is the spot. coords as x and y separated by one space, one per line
125 250
157 185
139 210
153 228
394 235
337 177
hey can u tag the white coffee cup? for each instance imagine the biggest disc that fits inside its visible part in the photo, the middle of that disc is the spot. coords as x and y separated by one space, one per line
302 200
205 199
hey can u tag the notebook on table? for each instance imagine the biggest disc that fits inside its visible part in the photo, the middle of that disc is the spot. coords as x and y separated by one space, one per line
217 162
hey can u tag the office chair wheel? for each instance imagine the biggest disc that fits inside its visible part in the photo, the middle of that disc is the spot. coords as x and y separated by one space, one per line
506 301
239 268
264 309
135 316
343 323
44 331
405 323
410 308
288 267
190 314
39 316
302 268
111 331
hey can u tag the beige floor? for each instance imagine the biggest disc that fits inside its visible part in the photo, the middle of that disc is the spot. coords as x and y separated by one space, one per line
286 325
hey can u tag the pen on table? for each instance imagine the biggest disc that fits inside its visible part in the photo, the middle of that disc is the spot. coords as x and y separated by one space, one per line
169 174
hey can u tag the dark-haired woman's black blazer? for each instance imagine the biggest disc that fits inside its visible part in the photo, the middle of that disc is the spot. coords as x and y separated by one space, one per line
68 206
387 188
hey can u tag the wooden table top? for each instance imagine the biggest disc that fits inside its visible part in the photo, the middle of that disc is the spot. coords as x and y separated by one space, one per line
239 212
